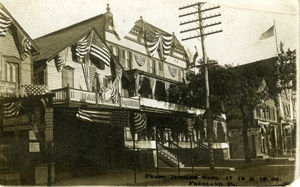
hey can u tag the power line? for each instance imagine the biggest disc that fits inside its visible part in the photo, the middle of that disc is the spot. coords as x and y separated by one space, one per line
255 10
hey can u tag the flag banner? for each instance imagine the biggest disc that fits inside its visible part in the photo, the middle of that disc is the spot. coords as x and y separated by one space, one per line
36 89
156 40
115 88
139 122
120 118
24 45
99 50
86 73
60 59
11 109
92 72
190 125
94 116
5 22
173 71
140 60
268 33
82 47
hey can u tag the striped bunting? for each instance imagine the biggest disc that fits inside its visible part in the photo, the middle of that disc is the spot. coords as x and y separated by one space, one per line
156 40
86 73
11 109
58 60
139 123
99 50
93 116
190 125
83 46
114 95
5 22
152 39
26 45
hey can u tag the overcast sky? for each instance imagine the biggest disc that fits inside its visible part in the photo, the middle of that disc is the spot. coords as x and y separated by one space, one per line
243 22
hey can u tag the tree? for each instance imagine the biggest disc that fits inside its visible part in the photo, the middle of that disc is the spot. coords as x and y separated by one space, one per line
235 89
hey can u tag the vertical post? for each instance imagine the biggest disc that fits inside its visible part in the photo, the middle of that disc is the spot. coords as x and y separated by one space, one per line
68 94
133 141
276 37
192 155
178 159
209 125
1 119
156 145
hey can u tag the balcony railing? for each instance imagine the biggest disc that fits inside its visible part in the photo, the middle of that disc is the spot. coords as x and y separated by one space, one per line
71 95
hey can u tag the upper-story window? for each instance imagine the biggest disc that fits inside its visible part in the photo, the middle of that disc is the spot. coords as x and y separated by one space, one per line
12 72
126 59
67 77
152 67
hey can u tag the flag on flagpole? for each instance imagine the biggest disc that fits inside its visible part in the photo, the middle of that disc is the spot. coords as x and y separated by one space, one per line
99 50
268 33
5 22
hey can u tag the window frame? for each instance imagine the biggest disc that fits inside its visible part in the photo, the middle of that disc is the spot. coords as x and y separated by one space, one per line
69 68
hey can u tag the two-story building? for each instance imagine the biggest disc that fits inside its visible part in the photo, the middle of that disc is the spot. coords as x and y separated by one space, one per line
26 114
108 88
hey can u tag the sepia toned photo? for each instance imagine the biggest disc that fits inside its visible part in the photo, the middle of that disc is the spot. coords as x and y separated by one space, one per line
149 93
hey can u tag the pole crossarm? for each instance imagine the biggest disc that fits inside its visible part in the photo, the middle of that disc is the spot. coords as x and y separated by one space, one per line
187 14
184 23
202 35
209 17
192 5
212 8
196 28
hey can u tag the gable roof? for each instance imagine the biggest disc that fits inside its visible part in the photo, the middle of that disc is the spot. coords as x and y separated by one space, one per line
18 26
54 42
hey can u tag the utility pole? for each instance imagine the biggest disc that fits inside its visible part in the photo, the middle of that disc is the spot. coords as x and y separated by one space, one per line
200 20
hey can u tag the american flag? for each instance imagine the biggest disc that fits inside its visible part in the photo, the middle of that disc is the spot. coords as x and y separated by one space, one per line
5 22
99 50
83 46
58 62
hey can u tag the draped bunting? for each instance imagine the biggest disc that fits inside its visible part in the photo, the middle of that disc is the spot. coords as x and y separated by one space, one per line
35 89
156 40
24 45
138 82
153 85
140 60
5 22
11 109
172 70
167 86
60 59
139 122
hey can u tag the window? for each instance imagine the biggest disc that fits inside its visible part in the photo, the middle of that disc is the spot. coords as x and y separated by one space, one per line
12 72
152 67
126 59
68 77
257 112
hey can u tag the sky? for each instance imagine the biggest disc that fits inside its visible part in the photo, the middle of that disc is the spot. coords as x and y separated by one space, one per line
243 22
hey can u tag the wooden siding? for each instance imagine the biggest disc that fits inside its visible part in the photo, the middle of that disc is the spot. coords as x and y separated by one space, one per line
55 78
9 48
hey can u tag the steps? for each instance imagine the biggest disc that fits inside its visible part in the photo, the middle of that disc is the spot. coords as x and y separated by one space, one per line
168 157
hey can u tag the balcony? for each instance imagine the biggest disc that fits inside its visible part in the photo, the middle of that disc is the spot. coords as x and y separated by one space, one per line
76 97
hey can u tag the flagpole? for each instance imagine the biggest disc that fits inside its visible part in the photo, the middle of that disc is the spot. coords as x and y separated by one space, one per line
276 37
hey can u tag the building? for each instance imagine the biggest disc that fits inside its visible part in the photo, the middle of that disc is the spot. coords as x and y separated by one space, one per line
26 114
271 126
102 98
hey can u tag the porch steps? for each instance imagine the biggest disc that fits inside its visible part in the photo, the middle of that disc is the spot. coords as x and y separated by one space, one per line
168 157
